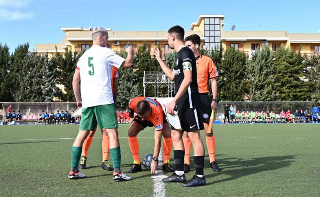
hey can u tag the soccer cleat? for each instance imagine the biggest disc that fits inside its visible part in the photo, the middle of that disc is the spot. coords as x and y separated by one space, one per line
83 162
167 167
175 178
195 181
186 168
135 168
106 166
215 166
76 175
121 177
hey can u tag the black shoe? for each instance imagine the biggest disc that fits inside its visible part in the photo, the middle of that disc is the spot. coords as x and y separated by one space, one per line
175 178
186 168
135 168
106 166
195 181
167 167
215 166
83 162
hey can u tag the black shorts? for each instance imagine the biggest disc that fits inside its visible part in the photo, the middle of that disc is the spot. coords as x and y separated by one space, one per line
190 119
146 123
205 107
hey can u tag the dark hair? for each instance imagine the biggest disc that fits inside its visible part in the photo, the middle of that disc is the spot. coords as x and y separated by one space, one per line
142 107
194 38
178 30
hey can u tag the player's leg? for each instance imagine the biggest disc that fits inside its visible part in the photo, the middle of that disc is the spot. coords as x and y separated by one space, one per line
85 148
187 148
85 127
136 126
178 175
105 151
211 146
166 147
106 117
193 117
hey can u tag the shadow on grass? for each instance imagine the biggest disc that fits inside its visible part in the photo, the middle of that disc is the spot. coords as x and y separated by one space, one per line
29 142
236 168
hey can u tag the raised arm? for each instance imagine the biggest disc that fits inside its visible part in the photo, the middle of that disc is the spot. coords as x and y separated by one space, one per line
163 65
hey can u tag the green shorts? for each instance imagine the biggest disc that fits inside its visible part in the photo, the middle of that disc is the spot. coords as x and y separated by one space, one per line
104 115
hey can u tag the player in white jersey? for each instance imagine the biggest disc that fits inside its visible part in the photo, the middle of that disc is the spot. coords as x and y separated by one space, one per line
94 70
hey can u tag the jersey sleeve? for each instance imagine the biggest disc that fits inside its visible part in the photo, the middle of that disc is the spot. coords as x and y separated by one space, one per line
114 59
213 70
186 56
131 107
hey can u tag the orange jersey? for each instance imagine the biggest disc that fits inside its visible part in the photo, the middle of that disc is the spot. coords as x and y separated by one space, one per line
115 74
156 115
206 69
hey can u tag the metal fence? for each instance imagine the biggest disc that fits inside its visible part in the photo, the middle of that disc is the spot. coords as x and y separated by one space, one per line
32 108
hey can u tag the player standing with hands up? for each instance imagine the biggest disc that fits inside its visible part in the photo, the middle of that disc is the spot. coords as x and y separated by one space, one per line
187 103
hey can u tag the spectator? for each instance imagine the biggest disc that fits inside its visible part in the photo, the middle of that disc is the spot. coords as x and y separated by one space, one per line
238 117
232 116
315 118
57 117
315 109
18 116
41 117
273 117
226 114
13 116
63 117
282 116
288 116
302 116
252 116
297 116
68 117
46 118
308 116
51 118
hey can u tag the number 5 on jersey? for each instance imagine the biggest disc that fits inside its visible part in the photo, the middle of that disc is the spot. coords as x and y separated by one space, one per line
91 72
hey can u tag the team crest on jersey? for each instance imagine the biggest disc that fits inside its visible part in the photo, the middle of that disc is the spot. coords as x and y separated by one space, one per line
205 116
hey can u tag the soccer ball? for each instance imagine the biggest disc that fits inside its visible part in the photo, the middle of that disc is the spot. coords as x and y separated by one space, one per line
147 160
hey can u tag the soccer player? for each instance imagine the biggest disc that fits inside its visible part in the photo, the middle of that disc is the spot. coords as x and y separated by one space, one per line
94 70
238 117
105 138
187 103
57 117
149 113
18 116
206 71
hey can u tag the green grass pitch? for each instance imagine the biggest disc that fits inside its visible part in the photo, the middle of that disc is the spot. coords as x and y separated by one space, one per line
257 160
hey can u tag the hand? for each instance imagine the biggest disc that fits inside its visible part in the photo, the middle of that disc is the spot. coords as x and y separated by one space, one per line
214 105
156 53
79 103
170 108
129 49
154 165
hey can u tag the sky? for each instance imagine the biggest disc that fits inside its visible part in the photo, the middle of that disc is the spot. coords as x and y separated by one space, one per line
40 21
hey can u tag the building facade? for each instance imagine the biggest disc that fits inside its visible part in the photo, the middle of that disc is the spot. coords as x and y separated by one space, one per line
208 27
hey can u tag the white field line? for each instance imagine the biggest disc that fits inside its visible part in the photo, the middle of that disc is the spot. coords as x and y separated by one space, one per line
33 139
159 189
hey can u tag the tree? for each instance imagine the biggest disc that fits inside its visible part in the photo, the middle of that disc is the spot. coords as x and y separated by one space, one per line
232 84
49 78
312 67
127 85
289 73
65 65
261 76
5 93
16 74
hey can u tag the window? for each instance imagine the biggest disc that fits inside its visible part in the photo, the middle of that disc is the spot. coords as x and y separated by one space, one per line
255 46
212 32
166 48
85 47
235 46
316 49
275 46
